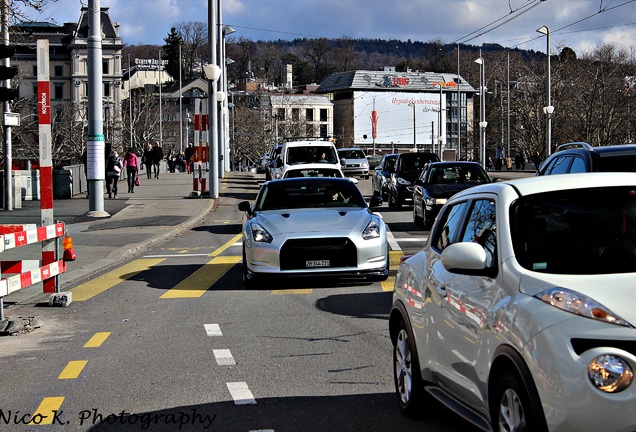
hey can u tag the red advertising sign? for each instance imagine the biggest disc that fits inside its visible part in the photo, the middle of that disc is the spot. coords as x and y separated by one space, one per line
44 103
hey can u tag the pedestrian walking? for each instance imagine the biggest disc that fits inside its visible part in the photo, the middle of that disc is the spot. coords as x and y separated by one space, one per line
189 153
131 163
172 160
147 160
157 157
113 171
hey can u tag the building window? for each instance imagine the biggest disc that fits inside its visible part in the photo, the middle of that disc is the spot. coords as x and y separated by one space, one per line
280 113
309 130
324 114
58 70
323 130
309 114
295 114
105 67
106 89
58 91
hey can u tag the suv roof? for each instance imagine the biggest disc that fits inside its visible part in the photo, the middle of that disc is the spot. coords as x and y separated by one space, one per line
578 157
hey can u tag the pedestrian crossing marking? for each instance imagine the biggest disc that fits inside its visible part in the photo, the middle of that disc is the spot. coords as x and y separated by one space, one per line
202 279
106 281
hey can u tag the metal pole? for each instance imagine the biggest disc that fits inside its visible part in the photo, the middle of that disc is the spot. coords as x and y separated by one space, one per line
7 144
439 126
180 104
414 129
459 111
160 104
130 105
508 100
549 100
96 157
212 104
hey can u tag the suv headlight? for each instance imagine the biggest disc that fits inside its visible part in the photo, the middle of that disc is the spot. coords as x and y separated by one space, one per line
579 304
610 373
403 182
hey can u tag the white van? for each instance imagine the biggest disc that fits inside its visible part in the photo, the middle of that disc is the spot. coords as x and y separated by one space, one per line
296 153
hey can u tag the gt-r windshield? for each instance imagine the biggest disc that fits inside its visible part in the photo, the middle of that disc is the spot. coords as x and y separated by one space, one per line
309 193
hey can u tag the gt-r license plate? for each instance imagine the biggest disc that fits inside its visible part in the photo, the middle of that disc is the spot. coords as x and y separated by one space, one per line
317 263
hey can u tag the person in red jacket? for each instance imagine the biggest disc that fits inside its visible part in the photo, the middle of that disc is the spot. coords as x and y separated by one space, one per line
131 163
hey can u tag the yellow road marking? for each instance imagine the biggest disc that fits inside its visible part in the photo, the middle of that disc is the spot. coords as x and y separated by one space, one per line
98 285
201 280
45 413
97 340
222 249
395 258
292 291
73 369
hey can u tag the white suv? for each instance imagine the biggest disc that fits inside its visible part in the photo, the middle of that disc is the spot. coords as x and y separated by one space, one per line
295 153
354 162
519 313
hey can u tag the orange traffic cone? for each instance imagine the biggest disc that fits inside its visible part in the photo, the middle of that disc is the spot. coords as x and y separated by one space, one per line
69 252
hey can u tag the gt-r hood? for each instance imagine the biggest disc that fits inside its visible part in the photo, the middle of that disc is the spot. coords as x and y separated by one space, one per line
331 220
614 291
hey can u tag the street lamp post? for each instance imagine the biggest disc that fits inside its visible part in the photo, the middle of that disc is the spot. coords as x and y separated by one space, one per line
548 109
482 110
440 135
414 128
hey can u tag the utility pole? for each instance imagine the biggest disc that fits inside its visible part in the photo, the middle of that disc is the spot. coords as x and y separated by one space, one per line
7 147
95 146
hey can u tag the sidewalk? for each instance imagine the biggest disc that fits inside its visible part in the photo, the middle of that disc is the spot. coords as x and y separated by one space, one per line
157 210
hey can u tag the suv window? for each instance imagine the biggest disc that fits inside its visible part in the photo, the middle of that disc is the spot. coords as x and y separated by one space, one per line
623 162
449 226
481 227
566 232
560 165
578 165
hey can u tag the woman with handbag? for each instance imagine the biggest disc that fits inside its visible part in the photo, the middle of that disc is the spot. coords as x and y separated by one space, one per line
113 171
131 162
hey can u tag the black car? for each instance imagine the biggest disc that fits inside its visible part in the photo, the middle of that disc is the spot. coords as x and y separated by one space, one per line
439 181
580 157
382 175
407 168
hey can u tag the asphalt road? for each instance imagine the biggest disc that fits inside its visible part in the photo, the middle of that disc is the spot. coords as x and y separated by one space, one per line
171 340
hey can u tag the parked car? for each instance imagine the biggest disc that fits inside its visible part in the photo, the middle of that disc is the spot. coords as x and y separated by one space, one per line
354 162
315 170
519 312
316 227
578 157
382 175
272 168
407 168
374 160
439 181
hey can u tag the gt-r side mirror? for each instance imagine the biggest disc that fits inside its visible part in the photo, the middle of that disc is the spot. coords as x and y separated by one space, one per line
246 207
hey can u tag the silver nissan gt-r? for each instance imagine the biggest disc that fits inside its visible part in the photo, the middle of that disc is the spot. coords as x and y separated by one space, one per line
303 227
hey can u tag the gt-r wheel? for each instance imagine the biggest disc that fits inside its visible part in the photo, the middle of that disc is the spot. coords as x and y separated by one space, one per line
516 409
406 373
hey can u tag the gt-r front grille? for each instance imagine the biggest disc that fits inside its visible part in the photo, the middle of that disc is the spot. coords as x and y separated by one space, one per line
340 252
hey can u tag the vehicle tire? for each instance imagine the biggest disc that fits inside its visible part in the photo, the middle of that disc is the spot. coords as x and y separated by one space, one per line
409 387
391 200
514 409
426 220
416 218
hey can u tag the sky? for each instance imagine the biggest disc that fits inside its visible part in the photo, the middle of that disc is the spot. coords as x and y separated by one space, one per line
579 24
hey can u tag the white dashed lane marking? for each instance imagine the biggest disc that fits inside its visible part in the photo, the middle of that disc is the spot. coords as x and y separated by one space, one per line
240 393
213 329
223 357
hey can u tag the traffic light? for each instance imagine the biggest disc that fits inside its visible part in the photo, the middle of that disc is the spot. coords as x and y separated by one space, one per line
7 72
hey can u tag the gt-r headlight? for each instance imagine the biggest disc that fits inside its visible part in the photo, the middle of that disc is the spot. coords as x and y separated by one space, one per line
579 304
372 229
403 182
610 373
434 201
260 234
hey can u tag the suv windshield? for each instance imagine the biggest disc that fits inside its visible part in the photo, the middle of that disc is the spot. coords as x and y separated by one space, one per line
311 154
575 232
